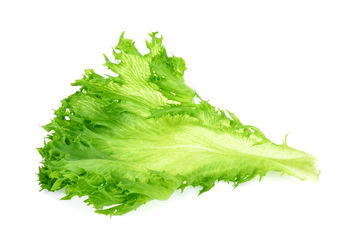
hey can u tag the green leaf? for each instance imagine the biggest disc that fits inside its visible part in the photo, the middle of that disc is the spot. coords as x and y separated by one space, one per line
123 141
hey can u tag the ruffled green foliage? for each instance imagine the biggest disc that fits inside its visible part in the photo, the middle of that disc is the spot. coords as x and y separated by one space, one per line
123 141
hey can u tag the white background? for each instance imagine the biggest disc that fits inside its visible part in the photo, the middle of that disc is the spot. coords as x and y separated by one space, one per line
282 66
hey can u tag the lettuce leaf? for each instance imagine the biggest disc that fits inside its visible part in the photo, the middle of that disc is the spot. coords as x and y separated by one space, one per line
142 134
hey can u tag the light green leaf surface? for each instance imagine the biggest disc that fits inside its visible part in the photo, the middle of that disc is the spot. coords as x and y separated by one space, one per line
123 141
